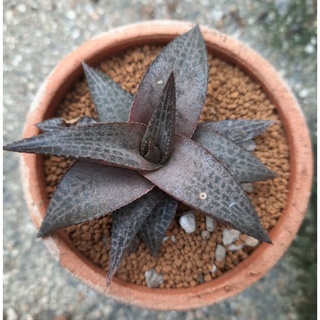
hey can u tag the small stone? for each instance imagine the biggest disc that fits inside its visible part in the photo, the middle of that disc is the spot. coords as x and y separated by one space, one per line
249 145
248 187
165 239
160 82
220 253
173 239
309 48
12 314
210 224
216 14
233 247
153 279
188 222
205 234
251 242
75 34
71 15
303 93
21 8
213 269
229 236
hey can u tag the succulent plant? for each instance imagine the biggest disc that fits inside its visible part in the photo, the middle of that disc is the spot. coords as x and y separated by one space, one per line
143 154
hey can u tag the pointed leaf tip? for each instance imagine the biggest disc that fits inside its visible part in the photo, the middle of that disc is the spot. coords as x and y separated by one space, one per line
157 141
238 130
187 56
126 223
242 164
114 144
52 124
60 123
89 190
154 228
111 101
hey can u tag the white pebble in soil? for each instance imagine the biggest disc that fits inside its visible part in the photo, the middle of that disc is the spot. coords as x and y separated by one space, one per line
251 242
247 187
173 238
205 234
153 279
249 145
220 253
233 247
165 239
229 236
210 224
213 269
188 222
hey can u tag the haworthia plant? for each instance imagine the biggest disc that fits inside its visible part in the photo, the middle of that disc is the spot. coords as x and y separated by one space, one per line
161 145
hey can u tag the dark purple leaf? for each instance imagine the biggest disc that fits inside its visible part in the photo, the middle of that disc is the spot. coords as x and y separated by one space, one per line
157 142
111 101
193 176
126 223
113 143
83 121
52 124
154 228
90 190
187 57
134 245
238 130
60 123
242 164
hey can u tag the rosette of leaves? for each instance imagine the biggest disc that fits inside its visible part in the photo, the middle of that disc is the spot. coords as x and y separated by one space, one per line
145 153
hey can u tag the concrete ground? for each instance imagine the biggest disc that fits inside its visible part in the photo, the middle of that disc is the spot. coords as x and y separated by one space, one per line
39 33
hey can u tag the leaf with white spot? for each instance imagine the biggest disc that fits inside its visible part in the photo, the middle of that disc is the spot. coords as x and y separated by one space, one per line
187 56
196 178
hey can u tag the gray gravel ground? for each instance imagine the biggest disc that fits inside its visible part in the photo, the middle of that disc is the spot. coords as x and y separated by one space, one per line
37 34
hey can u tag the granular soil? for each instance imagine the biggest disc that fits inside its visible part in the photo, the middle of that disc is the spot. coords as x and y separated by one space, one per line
185 260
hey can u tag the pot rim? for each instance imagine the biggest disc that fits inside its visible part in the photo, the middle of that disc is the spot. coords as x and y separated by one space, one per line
282 234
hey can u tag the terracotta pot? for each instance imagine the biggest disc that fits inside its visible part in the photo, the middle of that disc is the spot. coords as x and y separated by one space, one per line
264 257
